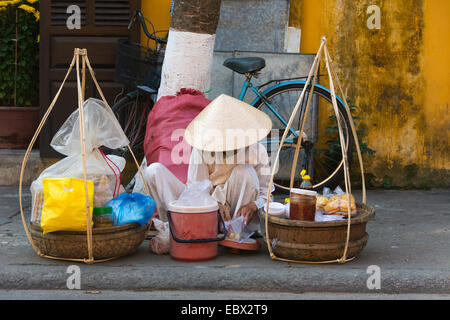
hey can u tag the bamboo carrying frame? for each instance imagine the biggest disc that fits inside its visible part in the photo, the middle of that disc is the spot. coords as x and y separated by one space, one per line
331 72
81 83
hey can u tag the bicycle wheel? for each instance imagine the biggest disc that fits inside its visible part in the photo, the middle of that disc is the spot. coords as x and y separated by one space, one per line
321 154
132 111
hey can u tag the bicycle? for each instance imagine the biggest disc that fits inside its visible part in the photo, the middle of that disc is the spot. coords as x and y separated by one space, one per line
138 68
320 153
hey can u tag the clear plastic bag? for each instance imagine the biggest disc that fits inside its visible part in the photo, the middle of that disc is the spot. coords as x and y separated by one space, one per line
327 192
324 199
160 244
196 194
237 230
338 191
102 129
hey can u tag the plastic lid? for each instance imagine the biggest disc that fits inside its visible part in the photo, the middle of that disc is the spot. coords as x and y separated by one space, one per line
173 207
103 210
304 192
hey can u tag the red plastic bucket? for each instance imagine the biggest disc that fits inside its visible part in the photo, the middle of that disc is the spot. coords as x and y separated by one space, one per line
194 232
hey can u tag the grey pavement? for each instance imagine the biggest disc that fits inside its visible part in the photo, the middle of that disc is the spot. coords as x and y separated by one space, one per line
204 295
408 240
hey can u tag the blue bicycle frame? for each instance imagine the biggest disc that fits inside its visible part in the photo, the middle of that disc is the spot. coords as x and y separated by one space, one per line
247 84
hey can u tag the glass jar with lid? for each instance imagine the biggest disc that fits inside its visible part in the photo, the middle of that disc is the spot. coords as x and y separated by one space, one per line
103 217
302 204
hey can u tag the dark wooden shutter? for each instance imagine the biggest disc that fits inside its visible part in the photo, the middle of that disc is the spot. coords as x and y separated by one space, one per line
103 22
112 13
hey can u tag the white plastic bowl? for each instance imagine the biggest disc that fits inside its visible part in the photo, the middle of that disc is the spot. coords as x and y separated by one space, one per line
277 209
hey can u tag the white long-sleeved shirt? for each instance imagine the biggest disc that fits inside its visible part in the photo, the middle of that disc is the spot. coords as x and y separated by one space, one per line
216 168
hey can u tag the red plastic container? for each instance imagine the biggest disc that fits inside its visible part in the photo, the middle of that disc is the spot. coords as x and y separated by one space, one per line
194 232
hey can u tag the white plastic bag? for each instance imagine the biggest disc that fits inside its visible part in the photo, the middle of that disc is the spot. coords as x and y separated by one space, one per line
101 129
160 244
321 217
197 194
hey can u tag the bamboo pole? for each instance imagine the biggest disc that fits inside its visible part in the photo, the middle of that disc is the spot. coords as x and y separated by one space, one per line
79 52
83 77
344 156
352 125
15 62
300 138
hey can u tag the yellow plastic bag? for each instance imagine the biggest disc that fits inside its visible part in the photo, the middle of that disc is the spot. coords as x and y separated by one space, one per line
65 204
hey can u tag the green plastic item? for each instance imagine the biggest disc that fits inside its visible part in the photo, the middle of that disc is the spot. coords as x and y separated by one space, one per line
103 210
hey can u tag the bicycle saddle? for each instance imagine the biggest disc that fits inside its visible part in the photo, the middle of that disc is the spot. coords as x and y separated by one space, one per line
245 65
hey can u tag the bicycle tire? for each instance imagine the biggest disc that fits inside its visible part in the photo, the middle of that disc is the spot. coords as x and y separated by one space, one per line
336 176
123 110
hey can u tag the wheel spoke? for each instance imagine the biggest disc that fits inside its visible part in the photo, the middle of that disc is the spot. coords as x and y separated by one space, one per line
326 158
132 115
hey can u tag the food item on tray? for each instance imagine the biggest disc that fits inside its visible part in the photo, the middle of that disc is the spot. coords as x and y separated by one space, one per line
345 197
339 205
321 202
334 198
344 205
234 236
332 207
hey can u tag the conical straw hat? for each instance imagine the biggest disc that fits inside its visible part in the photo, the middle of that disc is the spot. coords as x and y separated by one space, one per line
227 124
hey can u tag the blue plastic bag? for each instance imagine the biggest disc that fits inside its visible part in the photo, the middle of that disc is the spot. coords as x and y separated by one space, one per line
132 207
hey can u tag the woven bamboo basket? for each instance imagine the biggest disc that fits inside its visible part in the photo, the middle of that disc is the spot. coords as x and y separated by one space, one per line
94 244
110 242
319 242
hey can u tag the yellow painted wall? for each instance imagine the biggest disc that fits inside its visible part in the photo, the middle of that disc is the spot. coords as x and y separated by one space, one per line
158 12
400 78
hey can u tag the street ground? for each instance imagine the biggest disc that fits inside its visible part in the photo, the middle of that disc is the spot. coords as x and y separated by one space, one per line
408 241
204 295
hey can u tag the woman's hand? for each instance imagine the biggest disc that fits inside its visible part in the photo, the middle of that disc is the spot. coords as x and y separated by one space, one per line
224 212
247 212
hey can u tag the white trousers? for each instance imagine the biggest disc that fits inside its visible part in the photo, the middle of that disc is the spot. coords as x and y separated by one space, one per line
240 189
